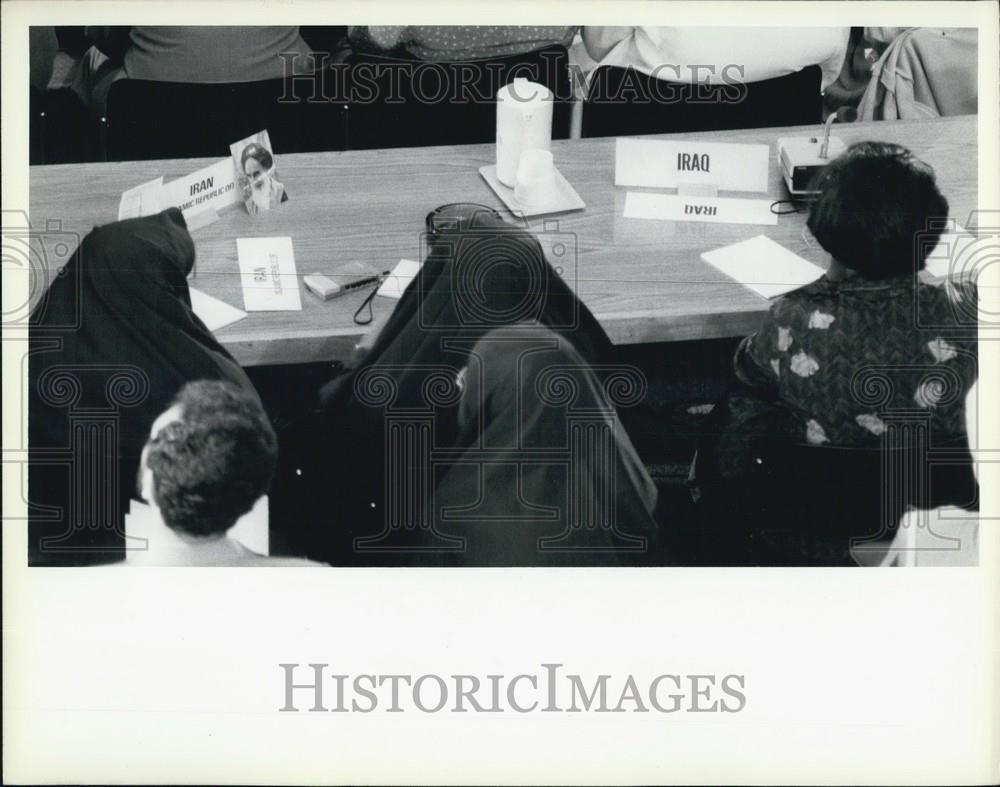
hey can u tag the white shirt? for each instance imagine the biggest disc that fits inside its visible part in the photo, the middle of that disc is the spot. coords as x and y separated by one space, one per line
730 54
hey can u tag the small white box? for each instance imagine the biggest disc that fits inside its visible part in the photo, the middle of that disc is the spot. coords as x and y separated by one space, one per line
321 286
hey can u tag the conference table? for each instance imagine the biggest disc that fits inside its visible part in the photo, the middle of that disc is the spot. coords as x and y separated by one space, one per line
643 279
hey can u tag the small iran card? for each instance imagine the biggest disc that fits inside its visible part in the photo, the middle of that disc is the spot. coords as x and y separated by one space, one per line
267 273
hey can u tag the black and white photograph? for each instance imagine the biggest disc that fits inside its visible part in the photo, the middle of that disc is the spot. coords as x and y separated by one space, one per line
641 319
257 173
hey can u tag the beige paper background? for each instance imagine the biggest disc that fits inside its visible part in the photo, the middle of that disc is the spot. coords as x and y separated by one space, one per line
171 675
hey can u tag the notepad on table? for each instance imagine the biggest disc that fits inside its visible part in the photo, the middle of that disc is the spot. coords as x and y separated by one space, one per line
214 313
766 267
397 281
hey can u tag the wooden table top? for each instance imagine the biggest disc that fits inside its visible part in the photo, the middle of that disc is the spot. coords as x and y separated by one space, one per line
644 280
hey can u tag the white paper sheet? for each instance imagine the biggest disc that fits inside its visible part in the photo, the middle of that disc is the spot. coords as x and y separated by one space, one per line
715 210
267 273
141 200
397 281
214 313
762 265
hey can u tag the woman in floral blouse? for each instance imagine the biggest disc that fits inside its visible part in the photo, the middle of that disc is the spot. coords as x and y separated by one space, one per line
873 355
873 345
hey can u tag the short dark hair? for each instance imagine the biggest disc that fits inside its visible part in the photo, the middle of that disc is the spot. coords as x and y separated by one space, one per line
874 200
211 465
259 152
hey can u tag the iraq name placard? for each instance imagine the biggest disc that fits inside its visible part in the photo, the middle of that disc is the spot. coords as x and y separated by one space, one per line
668 164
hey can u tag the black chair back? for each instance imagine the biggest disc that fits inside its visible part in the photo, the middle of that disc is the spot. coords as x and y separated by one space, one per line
623 101
813 505
767 499
150 120
61 129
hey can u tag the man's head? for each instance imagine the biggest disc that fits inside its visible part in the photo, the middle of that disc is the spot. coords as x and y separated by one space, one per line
874 199
209 458
256 161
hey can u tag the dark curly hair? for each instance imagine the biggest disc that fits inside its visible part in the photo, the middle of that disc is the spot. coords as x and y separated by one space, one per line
211 466
874 200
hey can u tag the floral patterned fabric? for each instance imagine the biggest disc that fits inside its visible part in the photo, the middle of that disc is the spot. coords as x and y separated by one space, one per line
852 358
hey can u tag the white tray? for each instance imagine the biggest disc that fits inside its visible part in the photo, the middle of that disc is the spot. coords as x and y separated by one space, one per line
564 200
